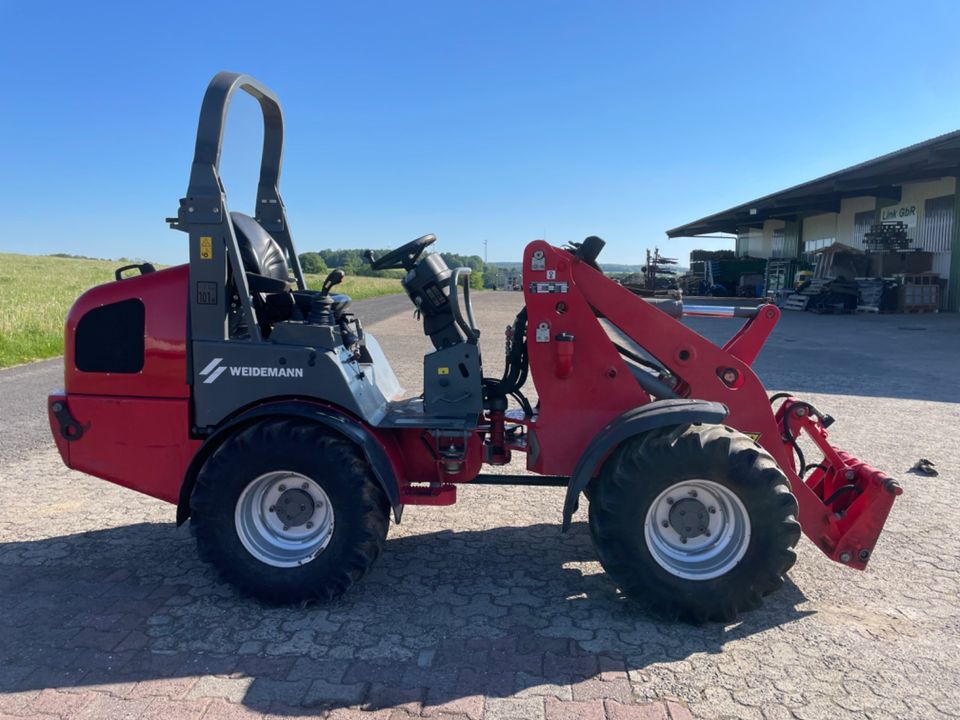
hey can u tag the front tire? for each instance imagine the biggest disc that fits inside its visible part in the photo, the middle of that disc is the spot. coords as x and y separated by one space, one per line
695 522
287 511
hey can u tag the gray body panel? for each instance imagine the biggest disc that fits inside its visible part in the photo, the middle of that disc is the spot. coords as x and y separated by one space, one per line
232 375
452 383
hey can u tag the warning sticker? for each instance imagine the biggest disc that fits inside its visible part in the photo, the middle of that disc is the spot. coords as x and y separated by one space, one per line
537 260
755 436
548 287
443 371
206 293
206 247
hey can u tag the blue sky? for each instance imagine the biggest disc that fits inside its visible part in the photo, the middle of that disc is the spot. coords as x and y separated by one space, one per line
472 120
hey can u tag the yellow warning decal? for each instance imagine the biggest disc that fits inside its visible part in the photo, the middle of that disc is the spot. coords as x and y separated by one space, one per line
206 247
443 371
755 436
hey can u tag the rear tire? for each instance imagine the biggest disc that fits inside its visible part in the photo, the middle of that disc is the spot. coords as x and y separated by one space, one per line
690 569
287 511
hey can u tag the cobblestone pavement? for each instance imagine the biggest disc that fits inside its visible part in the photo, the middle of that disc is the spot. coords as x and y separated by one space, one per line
484 610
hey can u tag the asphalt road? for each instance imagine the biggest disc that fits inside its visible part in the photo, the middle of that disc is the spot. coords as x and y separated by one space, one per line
483 610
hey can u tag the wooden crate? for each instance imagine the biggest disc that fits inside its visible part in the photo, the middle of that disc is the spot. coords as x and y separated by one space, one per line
914 295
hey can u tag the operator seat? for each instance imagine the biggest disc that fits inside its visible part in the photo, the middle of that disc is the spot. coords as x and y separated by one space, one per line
265 265
261 254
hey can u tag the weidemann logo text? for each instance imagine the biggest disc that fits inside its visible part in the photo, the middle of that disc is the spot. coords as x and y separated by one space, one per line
214 370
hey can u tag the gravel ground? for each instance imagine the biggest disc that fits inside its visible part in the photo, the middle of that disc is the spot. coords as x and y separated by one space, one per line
483 609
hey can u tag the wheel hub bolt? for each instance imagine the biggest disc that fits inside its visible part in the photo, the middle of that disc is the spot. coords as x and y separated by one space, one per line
309 525
683 540
666 523
305 486
669 501
282 488
692 493
712 510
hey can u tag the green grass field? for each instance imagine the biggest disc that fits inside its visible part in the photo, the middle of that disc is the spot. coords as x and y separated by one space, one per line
359 287
37 291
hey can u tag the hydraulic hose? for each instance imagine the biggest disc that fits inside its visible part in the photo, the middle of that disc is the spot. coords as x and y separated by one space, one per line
517 366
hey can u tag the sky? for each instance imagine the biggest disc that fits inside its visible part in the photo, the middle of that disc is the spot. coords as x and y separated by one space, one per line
477 121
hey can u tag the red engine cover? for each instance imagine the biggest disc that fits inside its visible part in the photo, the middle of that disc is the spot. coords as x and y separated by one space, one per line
140 443
164 373
136 425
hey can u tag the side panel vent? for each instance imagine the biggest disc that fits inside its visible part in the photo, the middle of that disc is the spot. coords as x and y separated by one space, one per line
109 339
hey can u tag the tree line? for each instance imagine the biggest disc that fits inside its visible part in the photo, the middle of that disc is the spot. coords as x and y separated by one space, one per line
352 262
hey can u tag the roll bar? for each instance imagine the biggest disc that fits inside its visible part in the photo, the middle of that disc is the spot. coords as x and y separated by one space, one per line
205 171
213 117
204 213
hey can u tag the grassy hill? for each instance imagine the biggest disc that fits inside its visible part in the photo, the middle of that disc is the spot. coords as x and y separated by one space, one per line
37 291
35 294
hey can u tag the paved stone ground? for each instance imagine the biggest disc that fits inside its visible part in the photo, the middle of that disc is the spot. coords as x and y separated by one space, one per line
484 610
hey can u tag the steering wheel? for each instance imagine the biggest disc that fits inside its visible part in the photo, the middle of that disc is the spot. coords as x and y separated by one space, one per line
405 256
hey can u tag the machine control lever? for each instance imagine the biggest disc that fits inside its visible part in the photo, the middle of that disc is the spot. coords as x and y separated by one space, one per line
334 278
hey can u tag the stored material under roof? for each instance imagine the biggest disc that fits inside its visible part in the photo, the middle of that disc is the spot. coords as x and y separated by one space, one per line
880 177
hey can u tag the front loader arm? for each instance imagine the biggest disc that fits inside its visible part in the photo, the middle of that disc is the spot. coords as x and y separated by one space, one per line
845 528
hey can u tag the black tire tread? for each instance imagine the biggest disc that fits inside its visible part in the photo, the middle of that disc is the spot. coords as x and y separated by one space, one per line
326 449
666 455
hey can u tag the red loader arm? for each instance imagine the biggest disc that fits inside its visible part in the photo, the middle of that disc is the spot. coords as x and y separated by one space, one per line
584 382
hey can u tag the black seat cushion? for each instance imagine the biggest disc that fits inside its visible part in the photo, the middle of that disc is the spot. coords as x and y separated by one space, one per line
261 254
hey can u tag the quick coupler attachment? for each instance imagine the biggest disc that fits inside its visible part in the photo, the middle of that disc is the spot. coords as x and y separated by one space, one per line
844 502
858 499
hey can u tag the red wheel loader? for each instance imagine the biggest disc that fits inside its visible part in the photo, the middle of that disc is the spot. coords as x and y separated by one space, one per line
276 425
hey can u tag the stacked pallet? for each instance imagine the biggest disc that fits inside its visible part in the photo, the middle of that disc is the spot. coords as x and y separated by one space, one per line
825 295
877 295
797 301
835 296
871 294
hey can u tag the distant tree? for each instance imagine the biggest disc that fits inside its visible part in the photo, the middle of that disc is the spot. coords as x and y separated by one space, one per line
312 262
352 261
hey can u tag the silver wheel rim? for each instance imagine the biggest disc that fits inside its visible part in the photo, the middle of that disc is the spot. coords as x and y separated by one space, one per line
284 519
697 544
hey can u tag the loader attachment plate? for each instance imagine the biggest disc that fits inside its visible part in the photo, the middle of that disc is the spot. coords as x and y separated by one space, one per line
844 502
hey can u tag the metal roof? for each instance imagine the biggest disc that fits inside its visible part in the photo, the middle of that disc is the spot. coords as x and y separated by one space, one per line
880 177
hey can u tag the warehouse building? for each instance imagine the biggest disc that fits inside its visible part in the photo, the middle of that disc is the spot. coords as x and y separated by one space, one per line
916 186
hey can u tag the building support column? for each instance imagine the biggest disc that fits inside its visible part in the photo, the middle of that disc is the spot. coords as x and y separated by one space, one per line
953 284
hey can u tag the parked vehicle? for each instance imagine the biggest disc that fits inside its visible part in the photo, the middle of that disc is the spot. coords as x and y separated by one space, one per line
275 423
